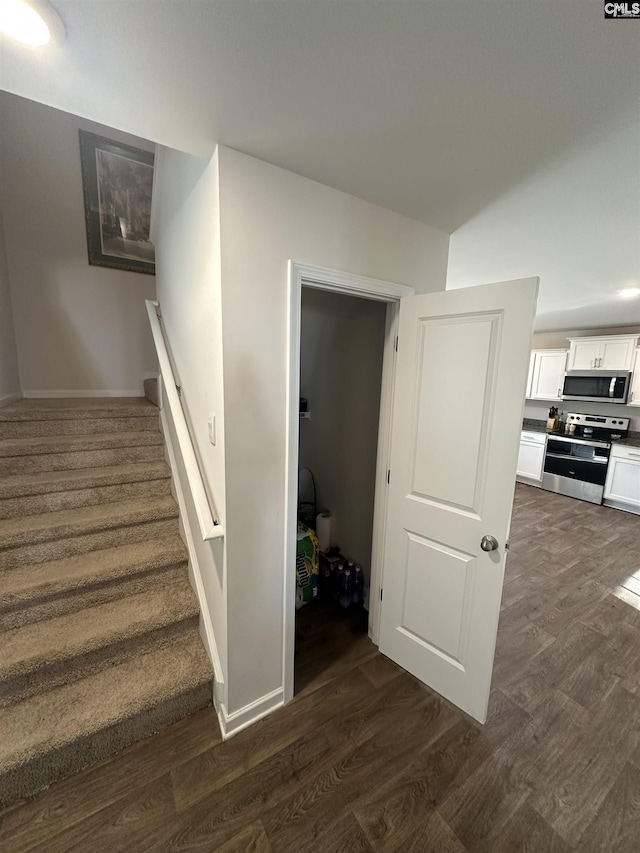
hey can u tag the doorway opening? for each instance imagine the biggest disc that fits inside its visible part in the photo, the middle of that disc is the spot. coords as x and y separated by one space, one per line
342 352
341 356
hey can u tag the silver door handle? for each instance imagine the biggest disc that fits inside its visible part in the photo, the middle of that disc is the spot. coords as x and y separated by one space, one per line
489 543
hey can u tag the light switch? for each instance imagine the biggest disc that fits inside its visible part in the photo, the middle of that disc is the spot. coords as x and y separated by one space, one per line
212 428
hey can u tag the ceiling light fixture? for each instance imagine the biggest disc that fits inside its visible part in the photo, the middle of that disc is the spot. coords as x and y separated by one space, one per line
31 22
629 292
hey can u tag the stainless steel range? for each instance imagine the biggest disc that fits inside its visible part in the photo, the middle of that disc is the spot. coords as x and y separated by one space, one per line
575 463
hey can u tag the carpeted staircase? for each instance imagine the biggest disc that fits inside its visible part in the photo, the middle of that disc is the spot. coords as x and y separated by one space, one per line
99 640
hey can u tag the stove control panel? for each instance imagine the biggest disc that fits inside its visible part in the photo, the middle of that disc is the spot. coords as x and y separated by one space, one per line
601 421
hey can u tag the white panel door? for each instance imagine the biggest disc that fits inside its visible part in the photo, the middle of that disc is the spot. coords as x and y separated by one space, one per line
462 364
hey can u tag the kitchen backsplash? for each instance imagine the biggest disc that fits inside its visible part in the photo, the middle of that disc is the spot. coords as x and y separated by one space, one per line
539 409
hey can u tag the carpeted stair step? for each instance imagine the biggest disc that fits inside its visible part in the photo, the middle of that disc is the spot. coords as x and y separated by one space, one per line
76 426
47 445
47 482
72 409
60 731
86 459
55 453
61 650
46 590
77 498
54 535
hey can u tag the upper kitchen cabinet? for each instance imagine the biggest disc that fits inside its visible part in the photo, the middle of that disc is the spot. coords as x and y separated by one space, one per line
546 374
606 353
634 390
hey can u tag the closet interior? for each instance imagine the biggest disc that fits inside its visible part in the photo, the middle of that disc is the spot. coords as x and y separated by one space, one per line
341 357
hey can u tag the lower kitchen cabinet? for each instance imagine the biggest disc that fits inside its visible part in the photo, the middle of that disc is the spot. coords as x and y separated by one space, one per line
531 457
622 488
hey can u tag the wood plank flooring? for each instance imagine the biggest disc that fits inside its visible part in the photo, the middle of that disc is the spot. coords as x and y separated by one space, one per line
367 760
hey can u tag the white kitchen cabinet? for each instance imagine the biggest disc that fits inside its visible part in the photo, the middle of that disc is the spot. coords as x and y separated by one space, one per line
602 353
583 354
546 374
634 390
618 353
531 457
622 487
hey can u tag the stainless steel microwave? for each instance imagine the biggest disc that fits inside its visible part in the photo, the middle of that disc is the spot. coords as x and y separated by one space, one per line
597 386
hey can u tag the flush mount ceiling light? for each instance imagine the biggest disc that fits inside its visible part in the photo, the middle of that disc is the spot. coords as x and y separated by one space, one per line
629 292
31 22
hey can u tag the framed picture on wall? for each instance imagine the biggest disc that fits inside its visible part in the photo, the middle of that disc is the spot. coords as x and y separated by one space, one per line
117 180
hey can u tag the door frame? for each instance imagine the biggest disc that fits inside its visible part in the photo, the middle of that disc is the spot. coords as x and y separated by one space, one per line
321 278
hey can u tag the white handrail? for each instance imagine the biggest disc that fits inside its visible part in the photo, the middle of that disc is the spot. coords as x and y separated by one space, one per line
208 520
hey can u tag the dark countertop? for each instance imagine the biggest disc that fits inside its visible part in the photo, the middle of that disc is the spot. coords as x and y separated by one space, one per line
531 425
632 441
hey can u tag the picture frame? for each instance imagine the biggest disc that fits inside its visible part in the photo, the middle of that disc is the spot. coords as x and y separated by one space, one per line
117 181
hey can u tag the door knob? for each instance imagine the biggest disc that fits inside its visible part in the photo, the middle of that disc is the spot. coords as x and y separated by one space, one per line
489 543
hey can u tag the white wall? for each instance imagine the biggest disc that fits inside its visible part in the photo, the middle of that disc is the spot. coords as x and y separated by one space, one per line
79 328
559 340
9 378
342 342
574 223
269 216
185 229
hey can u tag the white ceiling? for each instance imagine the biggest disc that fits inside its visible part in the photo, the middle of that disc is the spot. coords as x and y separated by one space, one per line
437 109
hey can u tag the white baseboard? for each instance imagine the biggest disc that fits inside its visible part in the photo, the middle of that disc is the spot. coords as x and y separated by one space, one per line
231 724
10 398
37 395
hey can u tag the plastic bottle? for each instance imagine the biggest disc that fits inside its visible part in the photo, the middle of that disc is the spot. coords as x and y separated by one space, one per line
346 588
338 580
358 587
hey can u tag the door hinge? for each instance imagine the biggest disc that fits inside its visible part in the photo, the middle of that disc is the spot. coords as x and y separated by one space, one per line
396 343
380 593
506 546
179 390
388 476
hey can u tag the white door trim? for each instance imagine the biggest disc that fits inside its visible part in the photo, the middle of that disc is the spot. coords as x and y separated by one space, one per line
353 285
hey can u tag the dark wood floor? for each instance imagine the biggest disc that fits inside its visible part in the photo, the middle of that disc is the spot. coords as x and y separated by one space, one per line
367 759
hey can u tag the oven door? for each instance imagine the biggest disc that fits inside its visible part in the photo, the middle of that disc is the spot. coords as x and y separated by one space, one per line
576 467
596 386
